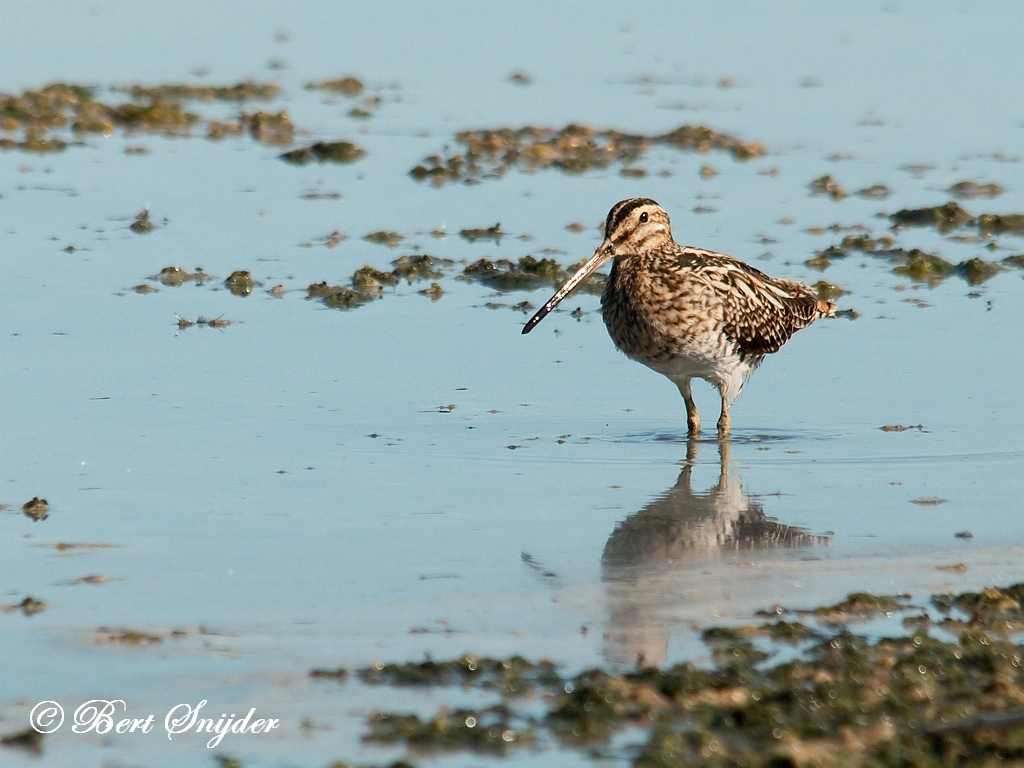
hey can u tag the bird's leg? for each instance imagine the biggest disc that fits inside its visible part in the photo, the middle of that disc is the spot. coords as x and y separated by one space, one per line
692 416
723 420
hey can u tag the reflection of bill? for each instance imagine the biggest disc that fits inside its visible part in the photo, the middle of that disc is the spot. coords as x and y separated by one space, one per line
675 532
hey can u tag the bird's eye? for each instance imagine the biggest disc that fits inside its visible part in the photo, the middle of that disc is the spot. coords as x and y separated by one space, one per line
643 217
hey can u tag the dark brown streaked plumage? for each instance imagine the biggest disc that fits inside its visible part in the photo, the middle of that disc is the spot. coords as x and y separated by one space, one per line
686 312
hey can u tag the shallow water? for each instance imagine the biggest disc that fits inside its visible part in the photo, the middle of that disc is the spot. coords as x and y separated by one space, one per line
295 491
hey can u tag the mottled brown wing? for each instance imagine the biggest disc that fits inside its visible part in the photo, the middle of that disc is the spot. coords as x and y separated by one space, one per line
760 312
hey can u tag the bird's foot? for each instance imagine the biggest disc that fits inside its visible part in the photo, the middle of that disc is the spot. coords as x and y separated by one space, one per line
693 425
723 426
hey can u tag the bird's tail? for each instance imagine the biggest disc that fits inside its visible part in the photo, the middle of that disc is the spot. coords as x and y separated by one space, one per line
826 308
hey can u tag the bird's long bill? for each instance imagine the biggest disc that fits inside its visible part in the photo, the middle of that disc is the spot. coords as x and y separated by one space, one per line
592 265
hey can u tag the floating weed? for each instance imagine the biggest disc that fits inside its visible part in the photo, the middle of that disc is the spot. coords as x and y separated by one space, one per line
174 276
269 127
217 322
925 267
1015 261
860 606
157 109
340 674
433 292
29 606
514 676
64 546
34 143
160 116
526 274
217 129
945 217
29 740
595 704
337 296
96 579
828 291
241 283
969 190
993 609
994 224
976 271
347 86
843 700
142 224
384 237
487 730
318 195
325 152
108 636
916 264
874 192
494 233
372 281
826 185
244 91
36 508
368 282
572 149
421 267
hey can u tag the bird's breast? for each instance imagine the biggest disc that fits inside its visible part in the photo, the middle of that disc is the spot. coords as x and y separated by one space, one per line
654 311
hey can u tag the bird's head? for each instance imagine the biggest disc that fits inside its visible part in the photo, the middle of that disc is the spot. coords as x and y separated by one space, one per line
633 226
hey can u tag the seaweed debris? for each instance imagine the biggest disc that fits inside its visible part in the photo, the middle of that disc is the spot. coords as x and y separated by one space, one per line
347 86
174 276
29 606
969 190
36 508
945 217
488 731
514 676
494 233
325 152
29 740
247 90
826 185
241 283
217 322
916 264
828 697
142 225
527 274
368 283
572 149
951 216
150 109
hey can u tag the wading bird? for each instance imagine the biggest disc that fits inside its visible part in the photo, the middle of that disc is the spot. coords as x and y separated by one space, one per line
689 313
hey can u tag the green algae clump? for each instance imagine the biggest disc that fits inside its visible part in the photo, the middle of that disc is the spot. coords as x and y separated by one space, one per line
241 283
832 698
945 217
491 153
325 152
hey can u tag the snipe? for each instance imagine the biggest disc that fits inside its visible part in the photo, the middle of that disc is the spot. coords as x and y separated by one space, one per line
686 312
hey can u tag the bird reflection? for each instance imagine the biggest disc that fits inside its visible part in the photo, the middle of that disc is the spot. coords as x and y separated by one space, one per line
670 537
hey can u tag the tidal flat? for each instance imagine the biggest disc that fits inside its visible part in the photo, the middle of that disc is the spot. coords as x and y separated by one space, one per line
270 436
